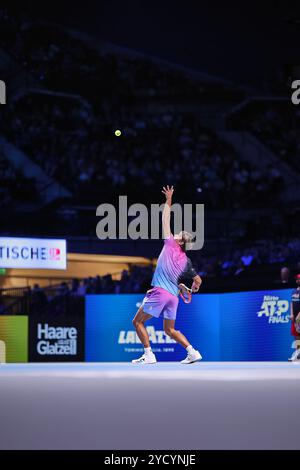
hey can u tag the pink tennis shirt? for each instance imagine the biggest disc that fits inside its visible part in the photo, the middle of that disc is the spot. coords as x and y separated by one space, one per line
172 263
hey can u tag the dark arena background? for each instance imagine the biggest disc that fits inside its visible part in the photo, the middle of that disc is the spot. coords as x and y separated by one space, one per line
103 99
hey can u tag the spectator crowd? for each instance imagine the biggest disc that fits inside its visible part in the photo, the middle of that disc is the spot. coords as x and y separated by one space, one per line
73 138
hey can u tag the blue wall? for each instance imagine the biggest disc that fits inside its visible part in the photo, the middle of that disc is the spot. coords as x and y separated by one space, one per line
247 326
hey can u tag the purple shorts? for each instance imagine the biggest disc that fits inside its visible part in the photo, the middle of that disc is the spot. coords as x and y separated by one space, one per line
159 300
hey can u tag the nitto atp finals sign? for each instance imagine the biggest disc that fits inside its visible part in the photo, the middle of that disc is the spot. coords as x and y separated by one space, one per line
37 253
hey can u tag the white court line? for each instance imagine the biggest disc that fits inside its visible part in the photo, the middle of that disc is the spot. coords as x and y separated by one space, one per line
161 371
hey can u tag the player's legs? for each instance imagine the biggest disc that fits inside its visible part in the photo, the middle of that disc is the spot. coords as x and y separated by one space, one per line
192 354
138 322
140 318
152 306
170 312
169 327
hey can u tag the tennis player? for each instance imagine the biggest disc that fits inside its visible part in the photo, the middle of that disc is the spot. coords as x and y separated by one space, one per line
162 299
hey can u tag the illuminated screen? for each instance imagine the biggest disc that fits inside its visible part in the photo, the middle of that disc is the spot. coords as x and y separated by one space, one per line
32 253
246 326
14 338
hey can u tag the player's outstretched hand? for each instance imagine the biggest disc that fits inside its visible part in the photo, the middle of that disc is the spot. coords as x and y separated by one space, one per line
168 192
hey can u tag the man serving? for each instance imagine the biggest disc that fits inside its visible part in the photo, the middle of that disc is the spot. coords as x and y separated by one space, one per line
172 265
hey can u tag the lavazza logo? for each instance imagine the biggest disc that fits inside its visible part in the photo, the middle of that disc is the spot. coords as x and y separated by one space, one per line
155 336
56 340
274 309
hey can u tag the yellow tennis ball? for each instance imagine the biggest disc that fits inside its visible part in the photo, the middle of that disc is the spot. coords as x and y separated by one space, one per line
117 133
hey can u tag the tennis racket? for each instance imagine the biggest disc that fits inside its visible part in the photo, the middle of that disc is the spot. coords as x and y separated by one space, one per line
185 293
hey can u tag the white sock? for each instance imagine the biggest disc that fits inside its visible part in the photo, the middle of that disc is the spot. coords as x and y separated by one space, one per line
190 348
148 350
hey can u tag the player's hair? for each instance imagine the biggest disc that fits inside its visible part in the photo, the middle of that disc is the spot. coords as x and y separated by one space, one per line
188 240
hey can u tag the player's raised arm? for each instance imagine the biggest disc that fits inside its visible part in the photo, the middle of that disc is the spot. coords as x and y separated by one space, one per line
168 192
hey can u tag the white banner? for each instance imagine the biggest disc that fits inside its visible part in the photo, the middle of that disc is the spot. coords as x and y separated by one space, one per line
36 253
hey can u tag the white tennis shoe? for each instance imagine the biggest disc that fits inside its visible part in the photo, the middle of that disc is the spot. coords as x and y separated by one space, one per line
295 357
145 359
193 356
